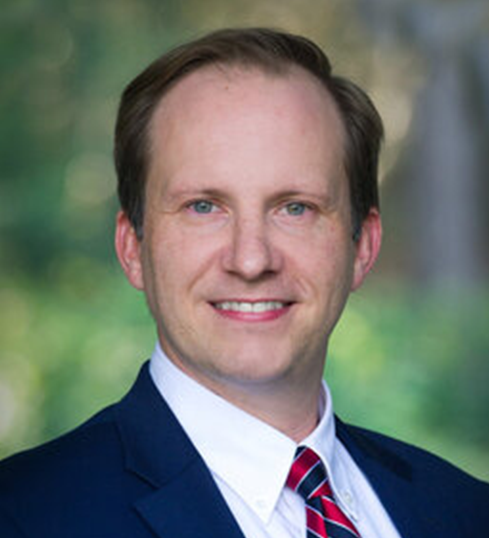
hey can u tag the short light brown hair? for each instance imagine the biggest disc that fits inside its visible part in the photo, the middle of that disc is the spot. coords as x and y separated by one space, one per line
273 52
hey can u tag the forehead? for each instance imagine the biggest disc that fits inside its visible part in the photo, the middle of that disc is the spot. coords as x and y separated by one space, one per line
222 111
212 87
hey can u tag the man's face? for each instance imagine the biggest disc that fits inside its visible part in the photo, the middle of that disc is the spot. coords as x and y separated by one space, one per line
247 257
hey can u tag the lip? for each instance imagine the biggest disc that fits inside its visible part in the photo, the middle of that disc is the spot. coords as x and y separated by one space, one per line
253 316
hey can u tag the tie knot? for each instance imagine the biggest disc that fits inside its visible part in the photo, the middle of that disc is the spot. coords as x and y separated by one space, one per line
307 475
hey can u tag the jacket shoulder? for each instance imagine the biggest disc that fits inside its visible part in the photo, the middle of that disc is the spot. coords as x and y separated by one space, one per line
41 488
74 449
418 472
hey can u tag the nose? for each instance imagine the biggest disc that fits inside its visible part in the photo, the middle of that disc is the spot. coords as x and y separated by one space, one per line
251 253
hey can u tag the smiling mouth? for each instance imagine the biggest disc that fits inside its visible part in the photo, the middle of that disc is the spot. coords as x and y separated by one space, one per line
255 307
252 310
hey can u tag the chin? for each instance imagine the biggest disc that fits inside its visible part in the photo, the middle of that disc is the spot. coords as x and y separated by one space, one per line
257 369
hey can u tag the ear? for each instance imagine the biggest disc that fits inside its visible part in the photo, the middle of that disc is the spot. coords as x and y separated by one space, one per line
128 248
367 248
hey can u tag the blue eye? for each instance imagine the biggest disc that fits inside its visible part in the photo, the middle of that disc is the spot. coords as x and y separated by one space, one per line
296 209
202 206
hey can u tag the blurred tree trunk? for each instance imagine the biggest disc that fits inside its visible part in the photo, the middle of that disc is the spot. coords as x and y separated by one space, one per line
440 179
445 178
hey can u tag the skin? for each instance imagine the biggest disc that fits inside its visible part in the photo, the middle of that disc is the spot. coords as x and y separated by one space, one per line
248 201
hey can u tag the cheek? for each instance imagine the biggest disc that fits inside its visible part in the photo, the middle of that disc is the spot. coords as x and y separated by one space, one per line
325 262
177 260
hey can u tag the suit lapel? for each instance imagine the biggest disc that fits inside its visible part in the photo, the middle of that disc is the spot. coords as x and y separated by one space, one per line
185 500
394 480
189 506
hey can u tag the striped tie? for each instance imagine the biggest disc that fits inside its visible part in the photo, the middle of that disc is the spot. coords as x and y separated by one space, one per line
324 517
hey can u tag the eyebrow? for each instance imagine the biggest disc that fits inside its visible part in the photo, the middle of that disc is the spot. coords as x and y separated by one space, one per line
203 192
323 198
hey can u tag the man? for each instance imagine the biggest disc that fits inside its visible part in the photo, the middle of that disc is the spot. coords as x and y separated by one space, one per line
247 180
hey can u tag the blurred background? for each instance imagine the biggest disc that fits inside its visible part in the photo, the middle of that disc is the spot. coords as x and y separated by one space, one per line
410 357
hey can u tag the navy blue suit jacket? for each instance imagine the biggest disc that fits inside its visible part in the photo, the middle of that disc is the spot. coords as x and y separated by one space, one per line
131 472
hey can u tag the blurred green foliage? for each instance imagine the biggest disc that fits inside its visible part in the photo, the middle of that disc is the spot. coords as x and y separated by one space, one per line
416 365
72 332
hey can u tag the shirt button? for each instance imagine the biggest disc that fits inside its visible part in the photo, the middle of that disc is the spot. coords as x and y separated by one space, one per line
347 498
261 504
350 503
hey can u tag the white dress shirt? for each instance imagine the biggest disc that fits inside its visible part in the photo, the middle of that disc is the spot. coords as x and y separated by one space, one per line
250 460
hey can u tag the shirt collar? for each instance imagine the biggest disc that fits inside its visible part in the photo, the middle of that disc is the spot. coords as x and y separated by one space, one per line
324 442
226 437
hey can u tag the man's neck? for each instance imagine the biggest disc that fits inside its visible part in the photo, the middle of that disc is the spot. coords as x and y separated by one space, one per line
291 408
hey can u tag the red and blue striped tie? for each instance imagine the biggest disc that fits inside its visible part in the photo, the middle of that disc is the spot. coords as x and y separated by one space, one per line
324 518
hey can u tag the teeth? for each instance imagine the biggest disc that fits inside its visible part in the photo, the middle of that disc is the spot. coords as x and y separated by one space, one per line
263 306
